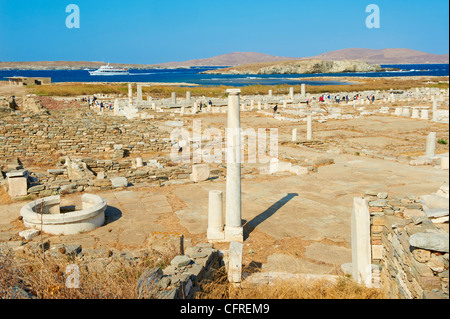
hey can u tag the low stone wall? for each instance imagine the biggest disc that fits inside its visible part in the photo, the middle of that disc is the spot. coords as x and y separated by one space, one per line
409 268
181 279
67 132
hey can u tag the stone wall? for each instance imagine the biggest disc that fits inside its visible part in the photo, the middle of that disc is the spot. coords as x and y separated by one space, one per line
81 132
409 267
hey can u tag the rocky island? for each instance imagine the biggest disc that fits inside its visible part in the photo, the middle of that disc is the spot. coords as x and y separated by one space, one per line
300 67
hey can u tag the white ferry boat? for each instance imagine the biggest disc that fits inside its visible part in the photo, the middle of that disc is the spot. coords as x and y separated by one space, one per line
109 70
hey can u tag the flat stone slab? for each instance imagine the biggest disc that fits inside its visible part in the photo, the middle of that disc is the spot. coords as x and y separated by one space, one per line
181 261
330 254
17 173
290 264
430 241
29 233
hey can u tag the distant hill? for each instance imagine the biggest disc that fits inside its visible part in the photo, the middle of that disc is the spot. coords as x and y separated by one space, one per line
65 65
229 59
384 56
371 56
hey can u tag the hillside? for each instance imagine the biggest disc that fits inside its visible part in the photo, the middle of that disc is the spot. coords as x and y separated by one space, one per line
65 65
372 56
230 59
384 56
300 67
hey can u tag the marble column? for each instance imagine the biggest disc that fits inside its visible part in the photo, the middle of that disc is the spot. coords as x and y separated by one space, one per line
233 225
215 216
431 145
188 96
270 93
361 248
139 93
130 95
294 135
303 91
174 98
195 108
309 128
291 93
435 117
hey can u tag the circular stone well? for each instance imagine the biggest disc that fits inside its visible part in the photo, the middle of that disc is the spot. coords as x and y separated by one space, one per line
59 221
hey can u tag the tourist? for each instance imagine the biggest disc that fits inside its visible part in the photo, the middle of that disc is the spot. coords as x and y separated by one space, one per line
201 105
275 109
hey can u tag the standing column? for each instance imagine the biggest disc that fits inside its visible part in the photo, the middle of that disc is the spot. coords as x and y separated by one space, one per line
116 106
215 216
270 93
309 128
294 135
139 93
435 117
233 228
174 98
188 96
195 108
431 145
130 95
361 250
303 91
291 93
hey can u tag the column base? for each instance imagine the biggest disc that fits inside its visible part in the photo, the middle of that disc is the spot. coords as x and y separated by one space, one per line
215 235
234 234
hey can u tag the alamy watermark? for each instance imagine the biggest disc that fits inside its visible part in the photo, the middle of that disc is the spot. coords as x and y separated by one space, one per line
73 19
216 147
373 19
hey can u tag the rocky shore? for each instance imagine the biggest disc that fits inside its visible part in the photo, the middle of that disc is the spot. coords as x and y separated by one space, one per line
300 67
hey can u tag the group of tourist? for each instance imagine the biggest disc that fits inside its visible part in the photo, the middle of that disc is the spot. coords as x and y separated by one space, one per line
94 103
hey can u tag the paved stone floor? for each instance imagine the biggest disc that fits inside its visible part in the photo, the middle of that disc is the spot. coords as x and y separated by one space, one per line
292 223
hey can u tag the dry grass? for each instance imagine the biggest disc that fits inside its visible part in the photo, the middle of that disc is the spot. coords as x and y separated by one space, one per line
46 278
344 288
165 91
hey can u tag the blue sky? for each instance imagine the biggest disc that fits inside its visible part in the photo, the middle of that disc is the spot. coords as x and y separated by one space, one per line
155 31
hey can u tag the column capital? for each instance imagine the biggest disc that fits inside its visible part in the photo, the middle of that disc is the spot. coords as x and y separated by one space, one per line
234 91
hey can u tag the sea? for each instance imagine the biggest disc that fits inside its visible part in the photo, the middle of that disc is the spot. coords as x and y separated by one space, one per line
194 75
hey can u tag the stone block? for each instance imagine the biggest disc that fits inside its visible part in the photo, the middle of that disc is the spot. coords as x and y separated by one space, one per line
430 241
299 170
235 262
377 251
17 187
181 261
119 182
200 172
29 233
